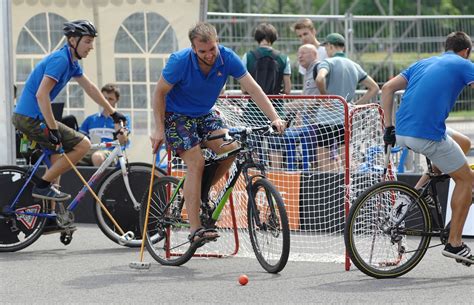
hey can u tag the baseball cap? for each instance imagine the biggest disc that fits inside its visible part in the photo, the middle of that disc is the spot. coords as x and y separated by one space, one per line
335 39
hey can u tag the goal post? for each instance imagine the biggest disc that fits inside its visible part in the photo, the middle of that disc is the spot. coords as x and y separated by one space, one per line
331 152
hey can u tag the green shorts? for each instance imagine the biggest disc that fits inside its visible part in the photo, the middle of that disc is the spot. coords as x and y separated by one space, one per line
87 159
35 132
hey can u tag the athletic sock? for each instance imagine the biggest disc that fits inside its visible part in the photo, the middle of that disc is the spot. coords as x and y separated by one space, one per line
43 183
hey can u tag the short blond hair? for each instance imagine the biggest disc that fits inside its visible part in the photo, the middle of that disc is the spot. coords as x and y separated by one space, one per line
203 31
304 23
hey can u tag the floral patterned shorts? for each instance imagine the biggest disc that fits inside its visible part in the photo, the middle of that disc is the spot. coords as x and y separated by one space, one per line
184 132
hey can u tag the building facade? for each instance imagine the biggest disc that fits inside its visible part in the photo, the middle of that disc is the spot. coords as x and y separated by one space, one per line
135 40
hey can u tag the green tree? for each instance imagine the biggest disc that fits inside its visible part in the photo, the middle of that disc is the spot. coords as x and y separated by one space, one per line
362 7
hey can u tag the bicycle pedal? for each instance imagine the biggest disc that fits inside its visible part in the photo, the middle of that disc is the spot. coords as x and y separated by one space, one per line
66 238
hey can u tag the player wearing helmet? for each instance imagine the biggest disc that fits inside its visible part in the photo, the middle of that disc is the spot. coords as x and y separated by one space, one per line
33 113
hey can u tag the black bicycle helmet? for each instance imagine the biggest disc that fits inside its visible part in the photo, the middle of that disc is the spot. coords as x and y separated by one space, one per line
79 28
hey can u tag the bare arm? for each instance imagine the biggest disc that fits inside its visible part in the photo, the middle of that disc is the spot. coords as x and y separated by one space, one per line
286 84
388 90
372 90
44 102
321 81
159 107
244 91
94 92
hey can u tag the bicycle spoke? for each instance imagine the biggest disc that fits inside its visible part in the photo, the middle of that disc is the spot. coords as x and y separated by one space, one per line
167 220
268 227
385 232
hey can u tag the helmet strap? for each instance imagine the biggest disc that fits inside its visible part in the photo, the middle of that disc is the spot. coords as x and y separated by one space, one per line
75 48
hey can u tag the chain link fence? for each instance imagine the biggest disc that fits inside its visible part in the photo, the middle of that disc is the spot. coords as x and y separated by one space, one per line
383 45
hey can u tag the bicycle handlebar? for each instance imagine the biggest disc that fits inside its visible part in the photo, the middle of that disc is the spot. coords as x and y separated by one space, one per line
228 136
105 144
122 130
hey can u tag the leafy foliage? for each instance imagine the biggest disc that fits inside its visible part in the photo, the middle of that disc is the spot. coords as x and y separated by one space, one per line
326 7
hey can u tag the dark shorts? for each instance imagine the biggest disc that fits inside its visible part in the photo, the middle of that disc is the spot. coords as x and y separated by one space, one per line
329 135
35 132
184 132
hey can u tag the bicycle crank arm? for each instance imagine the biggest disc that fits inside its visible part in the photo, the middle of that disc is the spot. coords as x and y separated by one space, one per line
125 238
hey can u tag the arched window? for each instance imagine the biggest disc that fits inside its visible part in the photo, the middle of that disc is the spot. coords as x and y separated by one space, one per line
41 35
143 43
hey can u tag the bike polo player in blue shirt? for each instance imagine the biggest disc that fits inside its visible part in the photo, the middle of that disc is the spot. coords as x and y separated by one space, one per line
33 114
183 108
432 86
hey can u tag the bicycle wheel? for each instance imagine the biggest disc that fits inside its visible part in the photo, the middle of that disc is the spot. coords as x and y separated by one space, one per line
271 237
168 226
18 231
384 230
114 195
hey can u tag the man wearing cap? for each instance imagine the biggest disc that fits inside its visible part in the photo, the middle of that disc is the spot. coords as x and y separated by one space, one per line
338 75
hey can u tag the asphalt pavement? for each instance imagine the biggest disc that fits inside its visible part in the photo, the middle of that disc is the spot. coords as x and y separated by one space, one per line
92 269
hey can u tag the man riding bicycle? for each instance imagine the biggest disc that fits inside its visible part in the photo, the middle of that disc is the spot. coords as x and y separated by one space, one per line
432 86
33 114
184 97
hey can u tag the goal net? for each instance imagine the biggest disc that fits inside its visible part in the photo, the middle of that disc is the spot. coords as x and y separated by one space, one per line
331 153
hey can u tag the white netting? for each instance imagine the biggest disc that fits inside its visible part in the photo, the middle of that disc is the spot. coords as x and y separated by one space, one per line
308 166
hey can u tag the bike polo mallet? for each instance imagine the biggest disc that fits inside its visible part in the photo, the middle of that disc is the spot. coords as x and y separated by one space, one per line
141 265
125 236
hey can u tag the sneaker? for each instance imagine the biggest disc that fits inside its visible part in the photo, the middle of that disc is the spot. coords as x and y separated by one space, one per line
460 254
49 193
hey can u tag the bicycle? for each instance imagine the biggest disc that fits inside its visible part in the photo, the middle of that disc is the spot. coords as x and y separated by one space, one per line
266 215
23 218
390 226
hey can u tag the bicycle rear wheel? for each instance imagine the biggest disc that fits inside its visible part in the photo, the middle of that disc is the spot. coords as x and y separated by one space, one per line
168 225
271 238
114 195
385 228
18 231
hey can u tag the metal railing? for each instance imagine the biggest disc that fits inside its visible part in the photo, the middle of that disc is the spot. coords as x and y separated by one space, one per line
383 45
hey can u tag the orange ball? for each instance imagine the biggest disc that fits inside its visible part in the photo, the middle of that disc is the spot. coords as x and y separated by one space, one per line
243 280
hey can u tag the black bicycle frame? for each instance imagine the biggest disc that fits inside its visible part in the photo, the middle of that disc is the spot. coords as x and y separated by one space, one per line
434 179
242 164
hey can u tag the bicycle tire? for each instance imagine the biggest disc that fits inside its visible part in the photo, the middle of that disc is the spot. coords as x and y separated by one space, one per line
377 245
114 195
270 241
18 232
168 227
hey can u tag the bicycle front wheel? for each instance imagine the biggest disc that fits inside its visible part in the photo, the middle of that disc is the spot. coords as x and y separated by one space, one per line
385 232
113 193
18 231
168 225
268 226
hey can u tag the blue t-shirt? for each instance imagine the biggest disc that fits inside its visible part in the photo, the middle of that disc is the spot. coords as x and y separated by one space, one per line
433 87
194 94
58 66
99 126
